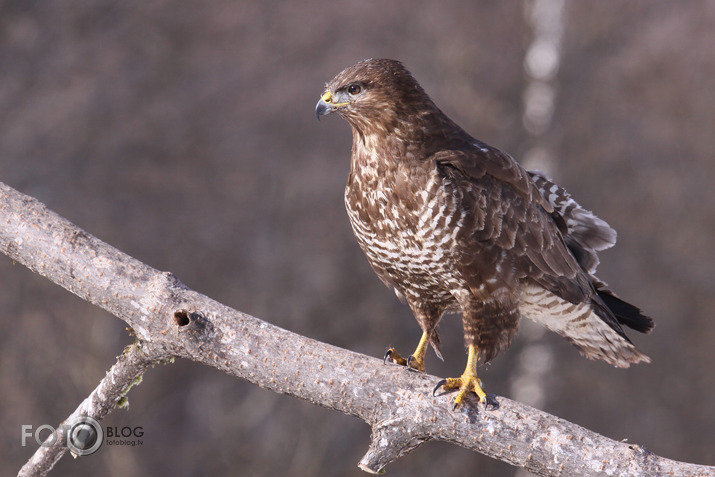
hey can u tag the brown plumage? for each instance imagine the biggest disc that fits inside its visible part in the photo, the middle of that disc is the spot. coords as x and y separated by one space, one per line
452 224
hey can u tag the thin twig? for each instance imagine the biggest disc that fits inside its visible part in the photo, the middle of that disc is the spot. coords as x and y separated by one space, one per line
110 393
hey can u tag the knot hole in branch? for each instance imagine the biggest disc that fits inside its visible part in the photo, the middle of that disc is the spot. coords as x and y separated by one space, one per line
181 318
193 323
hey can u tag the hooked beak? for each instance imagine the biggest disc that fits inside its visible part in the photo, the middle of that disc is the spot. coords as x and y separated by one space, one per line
326 105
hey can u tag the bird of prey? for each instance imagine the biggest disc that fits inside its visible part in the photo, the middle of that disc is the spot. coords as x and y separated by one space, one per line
453 224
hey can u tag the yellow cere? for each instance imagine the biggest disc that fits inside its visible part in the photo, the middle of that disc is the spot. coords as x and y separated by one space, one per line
328 98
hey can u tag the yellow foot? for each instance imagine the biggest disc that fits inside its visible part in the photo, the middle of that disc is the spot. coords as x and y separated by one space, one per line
415 361
468 382
412 361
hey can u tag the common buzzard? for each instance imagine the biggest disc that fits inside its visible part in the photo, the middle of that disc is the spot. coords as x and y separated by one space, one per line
453 224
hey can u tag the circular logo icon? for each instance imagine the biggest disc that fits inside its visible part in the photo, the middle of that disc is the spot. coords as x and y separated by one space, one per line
84 435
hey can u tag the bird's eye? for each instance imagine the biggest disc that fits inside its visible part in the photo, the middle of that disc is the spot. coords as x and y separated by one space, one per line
354 89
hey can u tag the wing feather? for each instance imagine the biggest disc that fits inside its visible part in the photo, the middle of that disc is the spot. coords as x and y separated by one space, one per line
516 218
585 234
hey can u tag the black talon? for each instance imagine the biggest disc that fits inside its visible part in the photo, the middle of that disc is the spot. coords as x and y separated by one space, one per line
410 358
439 385
388 353
490 400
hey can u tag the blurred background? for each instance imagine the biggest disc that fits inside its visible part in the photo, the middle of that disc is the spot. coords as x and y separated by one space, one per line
184 134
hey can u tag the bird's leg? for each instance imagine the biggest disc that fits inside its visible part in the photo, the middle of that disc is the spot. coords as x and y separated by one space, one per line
416 360
468 382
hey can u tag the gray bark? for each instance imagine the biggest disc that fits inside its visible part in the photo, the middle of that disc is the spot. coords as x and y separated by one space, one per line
169 320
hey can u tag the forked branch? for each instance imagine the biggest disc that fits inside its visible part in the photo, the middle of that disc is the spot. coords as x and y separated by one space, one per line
170 320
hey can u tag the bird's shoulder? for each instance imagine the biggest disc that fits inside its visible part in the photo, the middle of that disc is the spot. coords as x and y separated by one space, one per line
477 161
511 213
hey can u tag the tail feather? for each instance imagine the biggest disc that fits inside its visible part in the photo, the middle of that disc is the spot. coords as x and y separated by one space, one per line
625 313
591 326
596 325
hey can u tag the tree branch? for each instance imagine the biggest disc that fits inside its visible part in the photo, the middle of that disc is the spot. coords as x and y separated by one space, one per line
173 321
127 371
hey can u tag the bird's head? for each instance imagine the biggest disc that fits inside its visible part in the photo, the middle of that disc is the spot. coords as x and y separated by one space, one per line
381 100
373 94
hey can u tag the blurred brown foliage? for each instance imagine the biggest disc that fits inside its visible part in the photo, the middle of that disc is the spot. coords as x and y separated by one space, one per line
183 134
